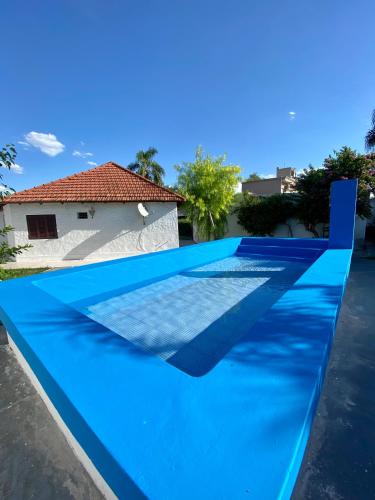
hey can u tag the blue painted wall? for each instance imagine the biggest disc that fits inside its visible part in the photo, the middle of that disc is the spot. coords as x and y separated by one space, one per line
342 214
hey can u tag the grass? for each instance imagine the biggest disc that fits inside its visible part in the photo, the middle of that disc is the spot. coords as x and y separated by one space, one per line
7 274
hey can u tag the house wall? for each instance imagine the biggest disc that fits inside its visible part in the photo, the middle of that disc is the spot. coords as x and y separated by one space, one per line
116 230
264 186
2 224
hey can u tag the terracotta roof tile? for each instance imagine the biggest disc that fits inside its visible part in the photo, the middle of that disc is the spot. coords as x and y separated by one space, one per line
107 183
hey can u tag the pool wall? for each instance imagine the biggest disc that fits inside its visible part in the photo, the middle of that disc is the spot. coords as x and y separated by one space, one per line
154 431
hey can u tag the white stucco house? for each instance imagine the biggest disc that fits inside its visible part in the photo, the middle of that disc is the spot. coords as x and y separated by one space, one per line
92 215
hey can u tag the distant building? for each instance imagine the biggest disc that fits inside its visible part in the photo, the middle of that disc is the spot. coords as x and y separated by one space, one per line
284 182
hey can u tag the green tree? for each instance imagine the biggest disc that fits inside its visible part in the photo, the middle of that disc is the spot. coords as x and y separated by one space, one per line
6 251
254 177
313 186
7 160
370 136
7 156
208 187
313 207
146 166
260 215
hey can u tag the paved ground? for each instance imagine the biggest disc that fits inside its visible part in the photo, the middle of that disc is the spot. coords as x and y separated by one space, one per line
37 463
339 462
35 460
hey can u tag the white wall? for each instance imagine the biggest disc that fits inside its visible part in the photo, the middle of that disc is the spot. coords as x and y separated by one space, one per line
298 229
116 230
2 224
282 231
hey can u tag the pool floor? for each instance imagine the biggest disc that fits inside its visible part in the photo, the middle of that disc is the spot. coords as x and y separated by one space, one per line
192 319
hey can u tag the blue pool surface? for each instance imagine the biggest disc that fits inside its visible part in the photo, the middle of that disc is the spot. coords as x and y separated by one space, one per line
194 318
195 372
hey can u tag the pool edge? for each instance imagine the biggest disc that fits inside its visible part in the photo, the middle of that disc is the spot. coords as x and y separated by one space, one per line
73 443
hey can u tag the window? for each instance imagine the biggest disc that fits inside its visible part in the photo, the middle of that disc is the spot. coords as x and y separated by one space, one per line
82 215
41 226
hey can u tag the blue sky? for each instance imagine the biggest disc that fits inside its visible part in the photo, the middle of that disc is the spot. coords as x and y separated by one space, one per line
111 77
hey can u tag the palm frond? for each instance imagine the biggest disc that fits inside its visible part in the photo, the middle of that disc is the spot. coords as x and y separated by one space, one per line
370 136
370 139
134 167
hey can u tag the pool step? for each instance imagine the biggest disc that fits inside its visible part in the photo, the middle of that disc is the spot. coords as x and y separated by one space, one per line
279 251
320 243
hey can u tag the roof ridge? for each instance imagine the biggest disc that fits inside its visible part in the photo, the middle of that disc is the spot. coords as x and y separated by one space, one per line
83 184
147 180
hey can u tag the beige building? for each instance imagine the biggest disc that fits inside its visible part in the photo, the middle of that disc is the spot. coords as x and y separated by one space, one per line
284 182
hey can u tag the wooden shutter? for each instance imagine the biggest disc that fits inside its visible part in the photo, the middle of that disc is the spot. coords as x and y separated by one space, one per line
41 226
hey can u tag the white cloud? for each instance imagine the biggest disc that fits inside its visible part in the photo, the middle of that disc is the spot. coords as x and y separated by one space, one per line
25 144
292 115
92 163
17 169
47 143
267 176
80 154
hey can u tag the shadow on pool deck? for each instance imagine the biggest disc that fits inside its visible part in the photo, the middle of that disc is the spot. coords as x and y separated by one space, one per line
339 460
37 462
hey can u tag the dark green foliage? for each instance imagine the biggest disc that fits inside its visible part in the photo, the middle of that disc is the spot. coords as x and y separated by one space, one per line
254 177
370 136
260 215
314 185
7 252
313 188
7 156
348 164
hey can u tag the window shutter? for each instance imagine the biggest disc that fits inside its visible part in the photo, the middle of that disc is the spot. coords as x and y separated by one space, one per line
41 226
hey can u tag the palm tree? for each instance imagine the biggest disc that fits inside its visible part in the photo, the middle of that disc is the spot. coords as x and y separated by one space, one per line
370 136
146 166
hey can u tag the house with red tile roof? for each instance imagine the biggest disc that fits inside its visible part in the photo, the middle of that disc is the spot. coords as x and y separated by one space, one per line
106 212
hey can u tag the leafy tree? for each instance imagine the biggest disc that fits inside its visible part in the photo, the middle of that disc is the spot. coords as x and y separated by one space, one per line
313 207
7 159
7 156
313 185
254 177
260 215
6 251
208 187
370 136
146 166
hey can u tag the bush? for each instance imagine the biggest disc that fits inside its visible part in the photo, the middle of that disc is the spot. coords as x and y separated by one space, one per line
260 215
7 252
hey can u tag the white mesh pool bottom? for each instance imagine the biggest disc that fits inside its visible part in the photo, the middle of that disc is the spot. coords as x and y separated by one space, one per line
222 299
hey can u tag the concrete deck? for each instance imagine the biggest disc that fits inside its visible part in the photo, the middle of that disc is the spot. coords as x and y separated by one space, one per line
36 461
339 462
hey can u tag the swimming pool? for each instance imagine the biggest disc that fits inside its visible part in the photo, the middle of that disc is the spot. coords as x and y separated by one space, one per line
189 372
194 318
